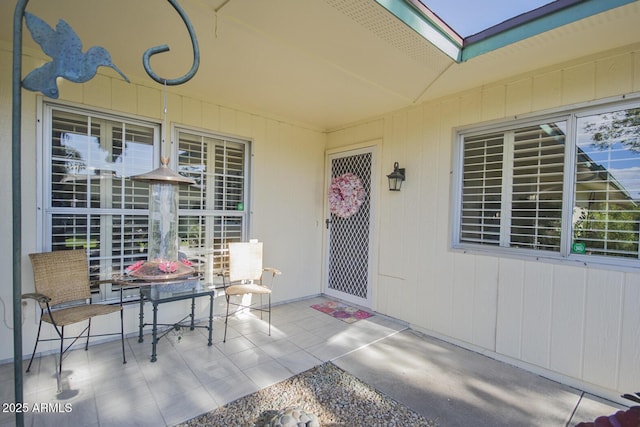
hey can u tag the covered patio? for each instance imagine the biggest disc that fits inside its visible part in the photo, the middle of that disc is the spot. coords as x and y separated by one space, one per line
445 383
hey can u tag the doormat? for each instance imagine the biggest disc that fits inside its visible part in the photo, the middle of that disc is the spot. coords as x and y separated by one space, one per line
342 312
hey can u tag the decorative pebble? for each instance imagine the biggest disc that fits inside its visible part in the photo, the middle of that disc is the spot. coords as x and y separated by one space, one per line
293 417
324 395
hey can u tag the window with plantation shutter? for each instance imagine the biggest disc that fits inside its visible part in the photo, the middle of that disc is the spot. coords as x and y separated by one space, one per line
537 185
607 191
482 189
90 201
565 187
213 212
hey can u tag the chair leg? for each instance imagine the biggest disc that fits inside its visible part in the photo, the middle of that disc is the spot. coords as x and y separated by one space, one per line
36 345
61 350
269 314
226 320
86 346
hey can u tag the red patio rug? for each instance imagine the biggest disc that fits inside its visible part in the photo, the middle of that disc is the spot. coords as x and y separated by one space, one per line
341 311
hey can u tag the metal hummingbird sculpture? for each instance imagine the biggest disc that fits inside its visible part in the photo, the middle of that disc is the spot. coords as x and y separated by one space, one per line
67 59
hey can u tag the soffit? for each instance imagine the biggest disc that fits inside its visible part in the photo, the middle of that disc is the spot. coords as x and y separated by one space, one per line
325 63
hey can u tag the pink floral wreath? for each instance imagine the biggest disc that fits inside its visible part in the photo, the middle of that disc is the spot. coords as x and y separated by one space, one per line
346 195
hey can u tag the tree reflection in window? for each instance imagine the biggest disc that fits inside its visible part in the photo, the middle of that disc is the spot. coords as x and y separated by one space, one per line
608 183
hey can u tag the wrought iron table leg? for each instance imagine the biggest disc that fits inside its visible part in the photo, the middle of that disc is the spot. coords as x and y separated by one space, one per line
154 332
141 316
210 319
193 310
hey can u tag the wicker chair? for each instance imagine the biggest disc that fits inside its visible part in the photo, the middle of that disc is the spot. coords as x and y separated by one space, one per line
62 290
245 276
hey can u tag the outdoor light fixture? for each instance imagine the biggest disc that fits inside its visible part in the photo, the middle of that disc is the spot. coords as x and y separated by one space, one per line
396 177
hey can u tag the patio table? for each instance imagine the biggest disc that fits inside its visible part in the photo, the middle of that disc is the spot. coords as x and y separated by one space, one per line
165 291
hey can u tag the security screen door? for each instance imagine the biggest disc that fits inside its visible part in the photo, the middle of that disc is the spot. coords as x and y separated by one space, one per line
349 226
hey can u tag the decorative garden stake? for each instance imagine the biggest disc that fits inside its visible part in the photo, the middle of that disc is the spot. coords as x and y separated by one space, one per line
68 61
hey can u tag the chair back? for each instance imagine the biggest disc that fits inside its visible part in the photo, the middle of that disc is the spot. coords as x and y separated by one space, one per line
245 261
62 276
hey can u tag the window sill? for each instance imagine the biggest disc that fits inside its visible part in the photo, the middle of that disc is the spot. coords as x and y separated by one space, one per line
531 256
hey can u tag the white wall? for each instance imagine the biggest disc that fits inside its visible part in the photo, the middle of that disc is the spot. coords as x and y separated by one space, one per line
287 186
579 325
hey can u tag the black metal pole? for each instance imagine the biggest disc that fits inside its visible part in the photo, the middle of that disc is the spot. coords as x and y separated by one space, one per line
16 196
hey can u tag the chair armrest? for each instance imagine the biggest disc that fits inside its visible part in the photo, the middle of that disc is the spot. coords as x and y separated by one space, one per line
93 283
100 282
274 272
41 298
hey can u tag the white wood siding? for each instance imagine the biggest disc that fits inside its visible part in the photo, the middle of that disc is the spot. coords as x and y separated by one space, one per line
577 324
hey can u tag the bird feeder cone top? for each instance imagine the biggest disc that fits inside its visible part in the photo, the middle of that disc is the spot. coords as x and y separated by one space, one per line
163 174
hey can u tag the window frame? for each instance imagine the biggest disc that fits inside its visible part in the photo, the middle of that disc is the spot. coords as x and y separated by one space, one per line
45 210
210 274
570 114
104 292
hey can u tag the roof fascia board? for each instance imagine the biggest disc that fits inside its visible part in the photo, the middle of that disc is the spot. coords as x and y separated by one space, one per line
440 25
539 24
521 19
423 26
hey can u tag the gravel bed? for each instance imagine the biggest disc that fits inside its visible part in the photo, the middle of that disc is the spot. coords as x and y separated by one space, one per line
334 396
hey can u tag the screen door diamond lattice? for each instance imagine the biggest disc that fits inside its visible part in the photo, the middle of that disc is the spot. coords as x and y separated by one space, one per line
349 231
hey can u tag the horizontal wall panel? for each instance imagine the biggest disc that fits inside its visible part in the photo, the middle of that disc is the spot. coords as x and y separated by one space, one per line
603 321
442 298
629 372
509 325
536 313
463 297
485 302
567 321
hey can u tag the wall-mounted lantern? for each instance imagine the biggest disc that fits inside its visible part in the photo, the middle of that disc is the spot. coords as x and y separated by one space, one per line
396 177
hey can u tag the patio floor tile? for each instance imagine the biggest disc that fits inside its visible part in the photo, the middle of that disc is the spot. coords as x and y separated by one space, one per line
440 380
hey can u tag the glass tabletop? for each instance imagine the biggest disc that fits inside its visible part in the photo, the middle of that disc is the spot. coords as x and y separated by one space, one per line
169 289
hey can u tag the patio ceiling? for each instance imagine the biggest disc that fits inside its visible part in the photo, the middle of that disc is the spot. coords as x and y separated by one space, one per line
324 63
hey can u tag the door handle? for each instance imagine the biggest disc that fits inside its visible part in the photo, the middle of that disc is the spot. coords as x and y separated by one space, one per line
327 222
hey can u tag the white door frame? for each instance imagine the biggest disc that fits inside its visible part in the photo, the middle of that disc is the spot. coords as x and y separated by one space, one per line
365 147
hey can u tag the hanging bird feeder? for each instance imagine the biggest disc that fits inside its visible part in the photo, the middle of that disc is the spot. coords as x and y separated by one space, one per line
163 262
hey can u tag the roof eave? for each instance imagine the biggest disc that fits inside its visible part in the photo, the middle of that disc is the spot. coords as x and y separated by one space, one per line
543 19
428 27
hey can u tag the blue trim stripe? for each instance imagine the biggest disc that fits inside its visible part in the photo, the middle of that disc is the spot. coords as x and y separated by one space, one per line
432 32
545 23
